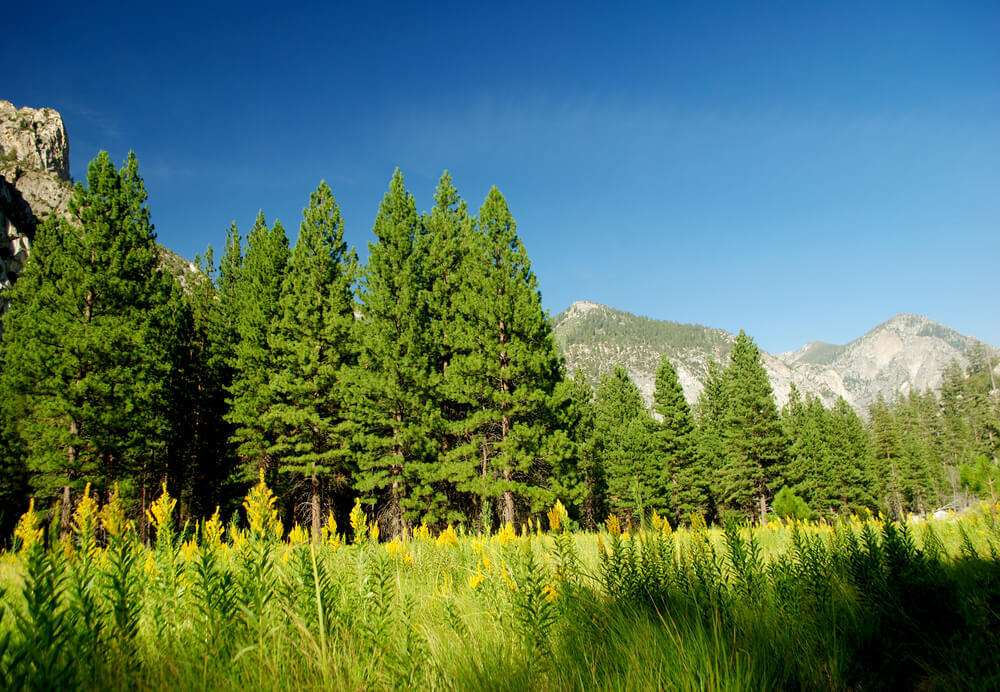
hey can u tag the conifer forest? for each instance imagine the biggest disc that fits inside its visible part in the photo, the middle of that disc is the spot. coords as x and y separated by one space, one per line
295 469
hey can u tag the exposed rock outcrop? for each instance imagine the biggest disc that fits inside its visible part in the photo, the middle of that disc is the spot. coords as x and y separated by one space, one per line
906 353
36 139
34 182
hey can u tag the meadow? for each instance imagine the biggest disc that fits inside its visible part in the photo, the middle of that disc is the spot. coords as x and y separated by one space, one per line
866 603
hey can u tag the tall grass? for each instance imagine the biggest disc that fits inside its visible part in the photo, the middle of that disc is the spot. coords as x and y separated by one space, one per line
865 604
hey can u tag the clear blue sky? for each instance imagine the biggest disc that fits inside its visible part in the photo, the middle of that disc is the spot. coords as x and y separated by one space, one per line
800 170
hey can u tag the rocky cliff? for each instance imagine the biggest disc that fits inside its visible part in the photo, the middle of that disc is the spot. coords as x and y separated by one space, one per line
905 353
34 181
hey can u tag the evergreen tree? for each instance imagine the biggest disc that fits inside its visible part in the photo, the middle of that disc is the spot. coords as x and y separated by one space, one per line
449 237
752 436
313 344
391 406
201 458
593 494
624 436
87 398
508 368
255 307
709 414
855 486
676 443
886 454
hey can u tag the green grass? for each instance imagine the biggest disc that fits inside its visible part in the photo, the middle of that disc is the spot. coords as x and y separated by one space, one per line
862 605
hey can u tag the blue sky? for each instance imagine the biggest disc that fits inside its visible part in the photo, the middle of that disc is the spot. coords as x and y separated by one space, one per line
799 170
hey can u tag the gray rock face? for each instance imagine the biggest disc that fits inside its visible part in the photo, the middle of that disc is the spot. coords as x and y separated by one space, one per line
34 138
34 182
906 353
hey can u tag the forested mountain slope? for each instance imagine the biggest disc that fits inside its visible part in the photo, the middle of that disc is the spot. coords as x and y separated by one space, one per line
905 353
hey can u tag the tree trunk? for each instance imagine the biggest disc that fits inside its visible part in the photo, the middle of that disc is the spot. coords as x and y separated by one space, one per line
65 514
64 519
508 503
315 509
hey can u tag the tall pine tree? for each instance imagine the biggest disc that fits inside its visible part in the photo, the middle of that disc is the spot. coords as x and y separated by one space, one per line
87 397
391 405
752 437
624 439
256 302
508 368
676 442
449 237
313 345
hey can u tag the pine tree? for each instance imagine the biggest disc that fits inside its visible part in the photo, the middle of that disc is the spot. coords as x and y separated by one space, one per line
852 458
201 457
809 469
752 435
508 367
256 303
676 443
390 404
313 345
85 328
593 493
624 436
449 237
886 450
709 414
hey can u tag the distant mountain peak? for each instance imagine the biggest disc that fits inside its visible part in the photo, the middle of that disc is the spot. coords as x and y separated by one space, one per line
582 307
905 353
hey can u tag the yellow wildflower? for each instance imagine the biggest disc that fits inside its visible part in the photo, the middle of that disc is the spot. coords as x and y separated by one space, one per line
261 513
297 535
189 550
330 535
160 513
447 537
28 530
557 516
150 566
476 579
506 534
359 523
422 532
507 578
84 522
113 515
395 547
614 526
550 592
67 548
212 530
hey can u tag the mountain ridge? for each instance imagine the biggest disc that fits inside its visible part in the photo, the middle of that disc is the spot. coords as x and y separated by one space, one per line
904 353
